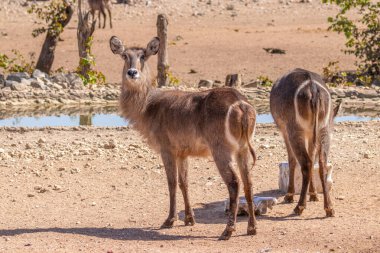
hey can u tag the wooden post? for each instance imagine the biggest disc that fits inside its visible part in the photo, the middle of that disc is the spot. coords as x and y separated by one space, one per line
233 80
84 33
162 62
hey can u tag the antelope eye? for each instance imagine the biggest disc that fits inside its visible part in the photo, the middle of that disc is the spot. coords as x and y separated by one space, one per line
142 57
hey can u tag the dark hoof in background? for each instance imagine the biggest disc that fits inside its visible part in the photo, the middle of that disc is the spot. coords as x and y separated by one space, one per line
289 198
314 198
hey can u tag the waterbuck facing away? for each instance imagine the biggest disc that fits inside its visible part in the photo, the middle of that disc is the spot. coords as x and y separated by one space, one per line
301 107
218 122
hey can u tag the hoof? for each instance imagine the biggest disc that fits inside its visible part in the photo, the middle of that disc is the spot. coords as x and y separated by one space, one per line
298 210
189 220
168 223
314 198
289 198
330 212
227 233
251 231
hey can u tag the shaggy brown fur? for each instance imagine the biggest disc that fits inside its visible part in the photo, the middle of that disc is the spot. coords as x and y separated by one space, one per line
177 124
301 107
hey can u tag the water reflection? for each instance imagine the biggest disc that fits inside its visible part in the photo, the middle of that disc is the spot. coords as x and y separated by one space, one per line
108 116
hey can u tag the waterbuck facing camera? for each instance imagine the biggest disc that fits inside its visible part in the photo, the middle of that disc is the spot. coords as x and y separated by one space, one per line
218 122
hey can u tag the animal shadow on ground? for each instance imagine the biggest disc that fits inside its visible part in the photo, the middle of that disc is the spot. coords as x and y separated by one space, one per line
126 234
213 213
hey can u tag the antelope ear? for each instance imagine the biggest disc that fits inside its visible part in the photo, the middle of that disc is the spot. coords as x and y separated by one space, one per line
336 109
116 45
152 47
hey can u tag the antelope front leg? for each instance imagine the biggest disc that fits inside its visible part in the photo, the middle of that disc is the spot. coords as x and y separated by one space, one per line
171 173
183 185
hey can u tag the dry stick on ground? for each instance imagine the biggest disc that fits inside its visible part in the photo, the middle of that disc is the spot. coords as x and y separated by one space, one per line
46 58
84 33
162 62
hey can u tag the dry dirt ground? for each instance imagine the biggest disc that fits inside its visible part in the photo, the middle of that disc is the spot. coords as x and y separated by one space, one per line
104 190
215 41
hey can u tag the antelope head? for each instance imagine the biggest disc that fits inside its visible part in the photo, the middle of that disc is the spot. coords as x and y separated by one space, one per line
136 72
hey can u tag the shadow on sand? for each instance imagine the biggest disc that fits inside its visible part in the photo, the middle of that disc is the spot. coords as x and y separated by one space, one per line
213 213
210 213
126 234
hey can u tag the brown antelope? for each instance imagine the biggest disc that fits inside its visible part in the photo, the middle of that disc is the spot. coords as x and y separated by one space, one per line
100 6
178 124
301 107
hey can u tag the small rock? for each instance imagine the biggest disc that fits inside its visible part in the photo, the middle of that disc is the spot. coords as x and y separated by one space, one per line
367 155
42 140
340 197
19 86
93 204
37 187
205 83
230 7
74 171
18 76
110 145
28 146
60 78
252 84
75 81
30 195
193 71
39 74
39 84
57 187
264 146
2 81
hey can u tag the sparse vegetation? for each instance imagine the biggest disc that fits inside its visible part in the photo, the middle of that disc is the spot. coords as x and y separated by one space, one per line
17 62
52 14
172 80
362 34
264 81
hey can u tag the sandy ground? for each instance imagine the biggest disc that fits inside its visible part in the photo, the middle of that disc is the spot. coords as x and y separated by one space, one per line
215 44
104 190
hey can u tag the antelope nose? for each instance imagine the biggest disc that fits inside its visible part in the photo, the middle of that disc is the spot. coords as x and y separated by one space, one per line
132 73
